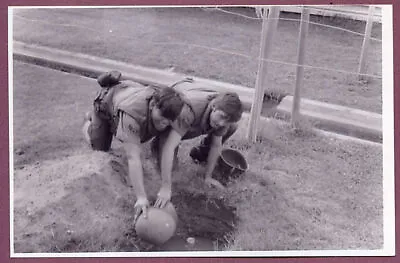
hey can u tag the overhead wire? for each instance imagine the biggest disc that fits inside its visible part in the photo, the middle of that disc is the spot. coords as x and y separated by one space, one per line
213 49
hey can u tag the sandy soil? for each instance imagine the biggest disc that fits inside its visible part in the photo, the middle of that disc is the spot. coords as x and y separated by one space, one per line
83 203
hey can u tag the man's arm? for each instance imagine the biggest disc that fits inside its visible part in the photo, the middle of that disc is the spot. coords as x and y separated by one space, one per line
213 155
128 133
167 159
133 150
178 129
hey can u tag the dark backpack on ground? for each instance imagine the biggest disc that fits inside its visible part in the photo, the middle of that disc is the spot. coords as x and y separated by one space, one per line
103 124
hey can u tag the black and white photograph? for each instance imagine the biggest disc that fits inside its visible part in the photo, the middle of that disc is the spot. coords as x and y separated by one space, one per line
206 131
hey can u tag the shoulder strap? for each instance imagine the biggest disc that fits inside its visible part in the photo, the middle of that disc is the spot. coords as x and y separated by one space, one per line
187 79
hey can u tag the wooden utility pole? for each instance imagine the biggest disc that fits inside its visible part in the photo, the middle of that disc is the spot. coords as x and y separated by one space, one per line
269 26
305 18
362 68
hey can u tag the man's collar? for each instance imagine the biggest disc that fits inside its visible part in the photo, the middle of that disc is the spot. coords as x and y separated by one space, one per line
205 120
150 129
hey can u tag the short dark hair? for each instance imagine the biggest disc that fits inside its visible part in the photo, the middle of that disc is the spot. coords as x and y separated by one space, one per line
169 101
230 103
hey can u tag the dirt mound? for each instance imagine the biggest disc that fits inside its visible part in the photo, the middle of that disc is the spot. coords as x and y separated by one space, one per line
79 203
84 203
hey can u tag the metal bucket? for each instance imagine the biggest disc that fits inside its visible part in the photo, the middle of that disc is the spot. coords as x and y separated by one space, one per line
231 164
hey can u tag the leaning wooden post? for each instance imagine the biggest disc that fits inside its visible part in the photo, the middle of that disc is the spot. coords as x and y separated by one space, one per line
304 22
269 26
362 69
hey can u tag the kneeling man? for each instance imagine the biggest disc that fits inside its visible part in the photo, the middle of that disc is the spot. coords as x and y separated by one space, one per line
206 113
133 114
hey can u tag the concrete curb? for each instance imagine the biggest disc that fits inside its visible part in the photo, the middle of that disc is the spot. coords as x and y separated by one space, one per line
335 118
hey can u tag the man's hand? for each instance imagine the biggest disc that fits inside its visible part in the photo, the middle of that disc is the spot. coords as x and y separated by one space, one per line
212 182
163 197
141 206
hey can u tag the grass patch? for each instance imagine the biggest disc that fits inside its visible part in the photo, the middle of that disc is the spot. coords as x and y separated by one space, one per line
305 191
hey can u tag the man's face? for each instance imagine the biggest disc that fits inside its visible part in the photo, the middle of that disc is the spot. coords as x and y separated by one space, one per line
159 121
218 119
